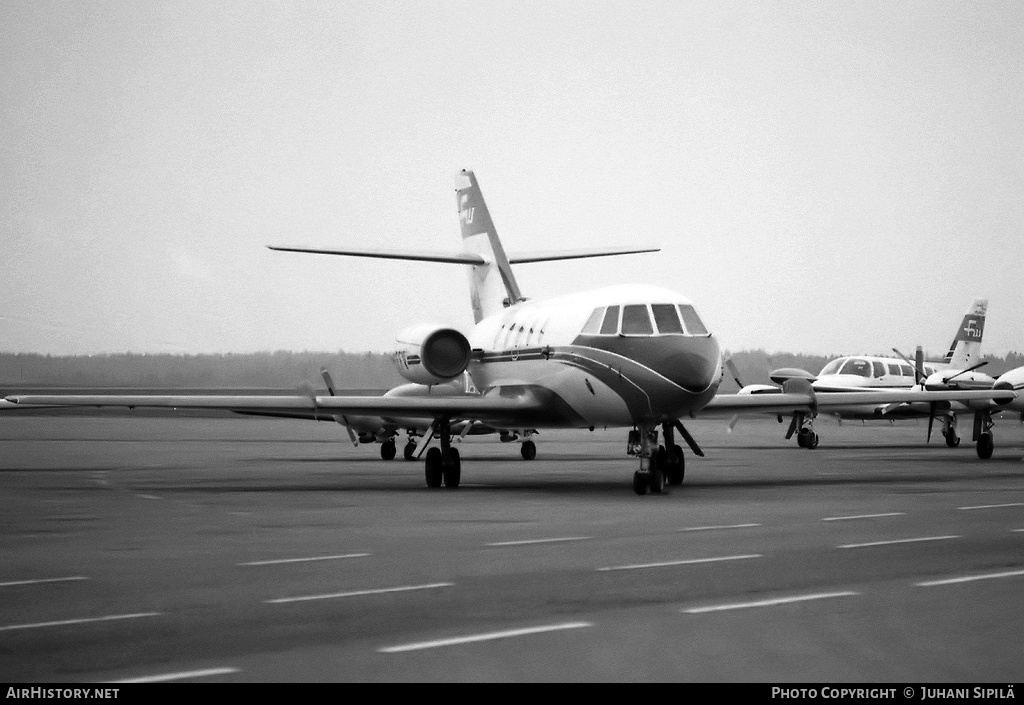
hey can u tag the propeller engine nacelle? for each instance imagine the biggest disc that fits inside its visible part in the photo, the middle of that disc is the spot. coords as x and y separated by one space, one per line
784 374
429 354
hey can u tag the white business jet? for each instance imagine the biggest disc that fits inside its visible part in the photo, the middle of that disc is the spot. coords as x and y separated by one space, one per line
632 356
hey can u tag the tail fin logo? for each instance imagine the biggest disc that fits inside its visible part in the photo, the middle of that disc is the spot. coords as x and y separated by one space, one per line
973 328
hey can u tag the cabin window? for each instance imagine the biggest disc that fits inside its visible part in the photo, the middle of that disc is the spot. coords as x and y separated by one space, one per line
907 370
691 320
879 368
611 321
856 366
929 371
508 335
593 324
894 369
636 320
667 318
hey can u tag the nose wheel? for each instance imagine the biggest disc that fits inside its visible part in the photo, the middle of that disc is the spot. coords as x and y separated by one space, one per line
443 465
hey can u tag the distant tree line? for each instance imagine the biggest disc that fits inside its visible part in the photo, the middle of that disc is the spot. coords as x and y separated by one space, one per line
288 370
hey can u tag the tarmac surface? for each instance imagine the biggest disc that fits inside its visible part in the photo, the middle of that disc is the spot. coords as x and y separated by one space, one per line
250 549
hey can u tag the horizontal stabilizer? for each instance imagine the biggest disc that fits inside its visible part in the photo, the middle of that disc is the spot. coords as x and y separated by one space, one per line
552 256
451 258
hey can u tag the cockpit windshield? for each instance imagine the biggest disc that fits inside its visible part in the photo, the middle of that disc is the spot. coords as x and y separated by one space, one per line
856 366
644 319
832 367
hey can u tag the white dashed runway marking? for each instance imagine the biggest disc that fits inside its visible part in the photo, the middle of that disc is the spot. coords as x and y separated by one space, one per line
768 603
280 561
84 620
893 542
38 581
864 516
471 638
356 593
690 561
180 676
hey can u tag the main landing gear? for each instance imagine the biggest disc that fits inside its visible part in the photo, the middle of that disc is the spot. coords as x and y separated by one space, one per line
983 434
949 430
443 464
665 464
803 425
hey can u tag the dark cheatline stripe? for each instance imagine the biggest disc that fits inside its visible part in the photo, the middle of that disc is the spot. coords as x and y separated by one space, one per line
648 392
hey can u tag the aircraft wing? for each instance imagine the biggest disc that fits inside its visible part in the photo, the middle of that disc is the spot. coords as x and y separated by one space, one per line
506 410
821 401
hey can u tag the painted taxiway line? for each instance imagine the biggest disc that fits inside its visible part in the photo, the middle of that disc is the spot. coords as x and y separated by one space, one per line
180 676
488 636
767 603
38 581
84 620
970 578
356 593
691 561
533 541
864 516
992 506
713 528
280 561
893 542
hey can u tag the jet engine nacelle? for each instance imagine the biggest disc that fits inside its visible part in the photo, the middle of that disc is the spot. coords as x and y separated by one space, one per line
430 354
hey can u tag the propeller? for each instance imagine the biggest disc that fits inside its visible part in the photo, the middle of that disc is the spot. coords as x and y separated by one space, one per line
330 390
917 364
945 380
734 372
327 380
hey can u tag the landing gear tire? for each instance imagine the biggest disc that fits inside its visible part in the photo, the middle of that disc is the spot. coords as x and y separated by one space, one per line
387 450
658 481
806 438
641 482
409 452
659 463
985 446
952 440
433 467
528 450
677 466
451 468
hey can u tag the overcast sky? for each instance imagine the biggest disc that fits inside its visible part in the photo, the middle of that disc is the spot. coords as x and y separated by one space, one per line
822 177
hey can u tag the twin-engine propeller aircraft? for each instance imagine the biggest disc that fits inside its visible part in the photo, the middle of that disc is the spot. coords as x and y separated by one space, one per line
956 371
632 356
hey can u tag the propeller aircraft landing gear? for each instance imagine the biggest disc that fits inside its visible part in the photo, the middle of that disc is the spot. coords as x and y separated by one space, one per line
983 434
528 450
949 431
803 426
387 449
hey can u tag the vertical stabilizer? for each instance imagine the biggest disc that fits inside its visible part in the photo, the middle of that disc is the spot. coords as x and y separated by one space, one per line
966 348
492 286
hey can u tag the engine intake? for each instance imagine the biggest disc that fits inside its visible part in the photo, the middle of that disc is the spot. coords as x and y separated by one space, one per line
429 354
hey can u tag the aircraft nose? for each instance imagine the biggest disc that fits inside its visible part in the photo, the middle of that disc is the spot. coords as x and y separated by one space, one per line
693 363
